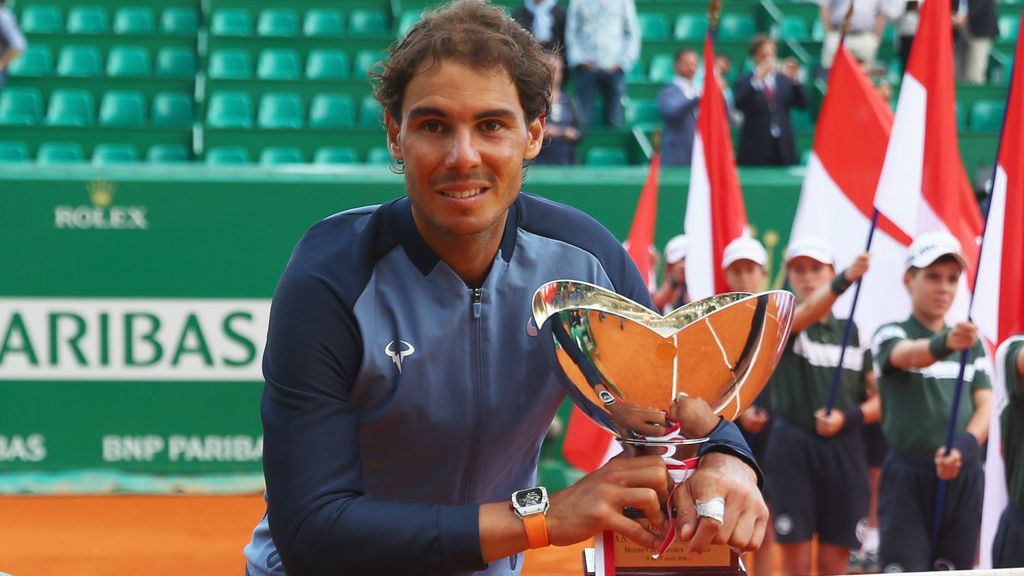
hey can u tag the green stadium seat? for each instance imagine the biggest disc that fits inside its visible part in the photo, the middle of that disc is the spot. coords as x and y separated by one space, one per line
801 120
34 61
371 113
280 110
123 108
1009 27
367 22
278 155
327 65
79 61
793 28
134 20
817 30
662 68
961 117
690 27
167 154
20 106
128 62
88 20
736 27
643 112
172 109
407 20
71 107
278 64
175 62
335 155
987 115
332 112
13 152
606 156
378 156
364 61
227 156
653 26
277 22
180 21
60 153
229 110
324 23
231 64
41 19
231 22
107 154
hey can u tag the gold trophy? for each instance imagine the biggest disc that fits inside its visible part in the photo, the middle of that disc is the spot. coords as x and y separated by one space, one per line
622 360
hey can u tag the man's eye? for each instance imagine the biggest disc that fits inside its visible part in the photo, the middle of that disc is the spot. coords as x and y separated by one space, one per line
432 126
491 125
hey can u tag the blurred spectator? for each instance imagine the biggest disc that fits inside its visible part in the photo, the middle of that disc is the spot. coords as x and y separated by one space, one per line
906 28
12 41
602 42
546 20
564 125
677 104
765 97
672 293
978 27
866 28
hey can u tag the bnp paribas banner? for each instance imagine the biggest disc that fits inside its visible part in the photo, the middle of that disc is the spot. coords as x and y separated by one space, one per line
134 304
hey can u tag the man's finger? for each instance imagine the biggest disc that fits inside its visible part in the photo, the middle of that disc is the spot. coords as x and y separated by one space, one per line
647 501
686 513
634 531
702 538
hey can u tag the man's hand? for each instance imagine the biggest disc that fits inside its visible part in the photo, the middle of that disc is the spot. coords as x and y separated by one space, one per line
753 419
596 502
962 336
695 417
746 515
948 467
859 267
791 68
829 425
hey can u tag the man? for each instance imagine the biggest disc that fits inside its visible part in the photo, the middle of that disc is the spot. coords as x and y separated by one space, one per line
976 20
12 41
677 104
672 293
815 463
1008 545
866 28
406 393
765 97
602 43
917 361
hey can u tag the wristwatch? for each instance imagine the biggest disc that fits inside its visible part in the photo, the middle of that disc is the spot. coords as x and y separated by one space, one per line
531 505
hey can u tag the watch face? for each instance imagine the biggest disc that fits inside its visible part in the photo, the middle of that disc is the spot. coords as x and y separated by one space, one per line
531 497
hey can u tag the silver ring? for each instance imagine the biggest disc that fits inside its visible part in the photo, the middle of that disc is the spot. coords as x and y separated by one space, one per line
713 509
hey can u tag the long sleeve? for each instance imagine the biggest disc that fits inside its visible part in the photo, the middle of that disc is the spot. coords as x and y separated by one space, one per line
673 105
631 37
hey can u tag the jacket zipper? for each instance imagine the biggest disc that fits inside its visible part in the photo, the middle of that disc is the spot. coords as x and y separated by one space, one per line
476 360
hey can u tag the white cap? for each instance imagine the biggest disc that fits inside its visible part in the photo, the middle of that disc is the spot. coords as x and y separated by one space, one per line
744 248
675 250
811 247
927 248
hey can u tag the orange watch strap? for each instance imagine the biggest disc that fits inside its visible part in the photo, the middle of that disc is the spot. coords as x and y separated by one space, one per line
536 530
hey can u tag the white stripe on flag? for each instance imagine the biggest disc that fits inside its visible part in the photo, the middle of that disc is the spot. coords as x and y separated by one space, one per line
899 186
986 309
700 261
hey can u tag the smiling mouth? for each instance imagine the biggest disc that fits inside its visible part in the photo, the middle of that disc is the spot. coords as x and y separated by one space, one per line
462 194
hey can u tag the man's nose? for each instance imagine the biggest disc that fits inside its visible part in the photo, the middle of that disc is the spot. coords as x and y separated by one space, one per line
462 152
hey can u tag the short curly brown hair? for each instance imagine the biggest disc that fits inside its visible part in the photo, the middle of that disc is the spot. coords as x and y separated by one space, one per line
476 34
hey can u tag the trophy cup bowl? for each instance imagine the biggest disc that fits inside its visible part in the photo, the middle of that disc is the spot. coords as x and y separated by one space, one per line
620 359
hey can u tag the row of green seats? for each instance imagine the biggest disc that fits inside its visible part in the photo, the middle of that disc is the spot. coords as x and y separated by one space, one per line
284 155
286 64
285 22
231 109
693 27
103 155
48 19
121 62
23 106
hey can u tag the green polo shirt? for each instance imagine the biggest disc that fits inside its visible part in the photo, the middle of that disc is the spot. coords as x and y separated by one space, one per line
801 382
1012 424
916 403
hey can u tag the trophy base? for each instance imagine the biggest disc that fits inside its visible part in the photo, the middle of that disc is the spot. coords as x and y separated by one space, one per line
615 555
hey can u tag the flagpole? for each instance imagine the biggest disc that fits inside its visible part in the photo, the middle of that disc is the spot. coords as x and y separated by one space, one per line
940 491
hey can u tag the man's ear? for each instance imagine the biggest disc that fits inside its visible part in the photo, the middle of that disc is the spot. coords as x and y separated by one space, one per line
535 137
393 129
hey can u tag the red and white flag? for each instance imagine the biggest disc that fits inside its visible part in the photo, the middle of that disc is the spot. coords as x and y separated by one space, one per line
923 186
715 212
837 199
586 445
999 309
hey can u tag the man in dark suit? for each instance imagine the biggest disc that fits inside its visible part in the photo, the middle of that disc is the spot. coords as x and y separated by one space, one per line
978 26
765 98
677 104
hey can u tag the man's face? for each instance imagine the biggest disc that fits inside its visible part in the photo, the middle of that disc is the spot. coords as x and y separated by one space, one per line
686 65
766 53
745 276
807 275
932 289
463 140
